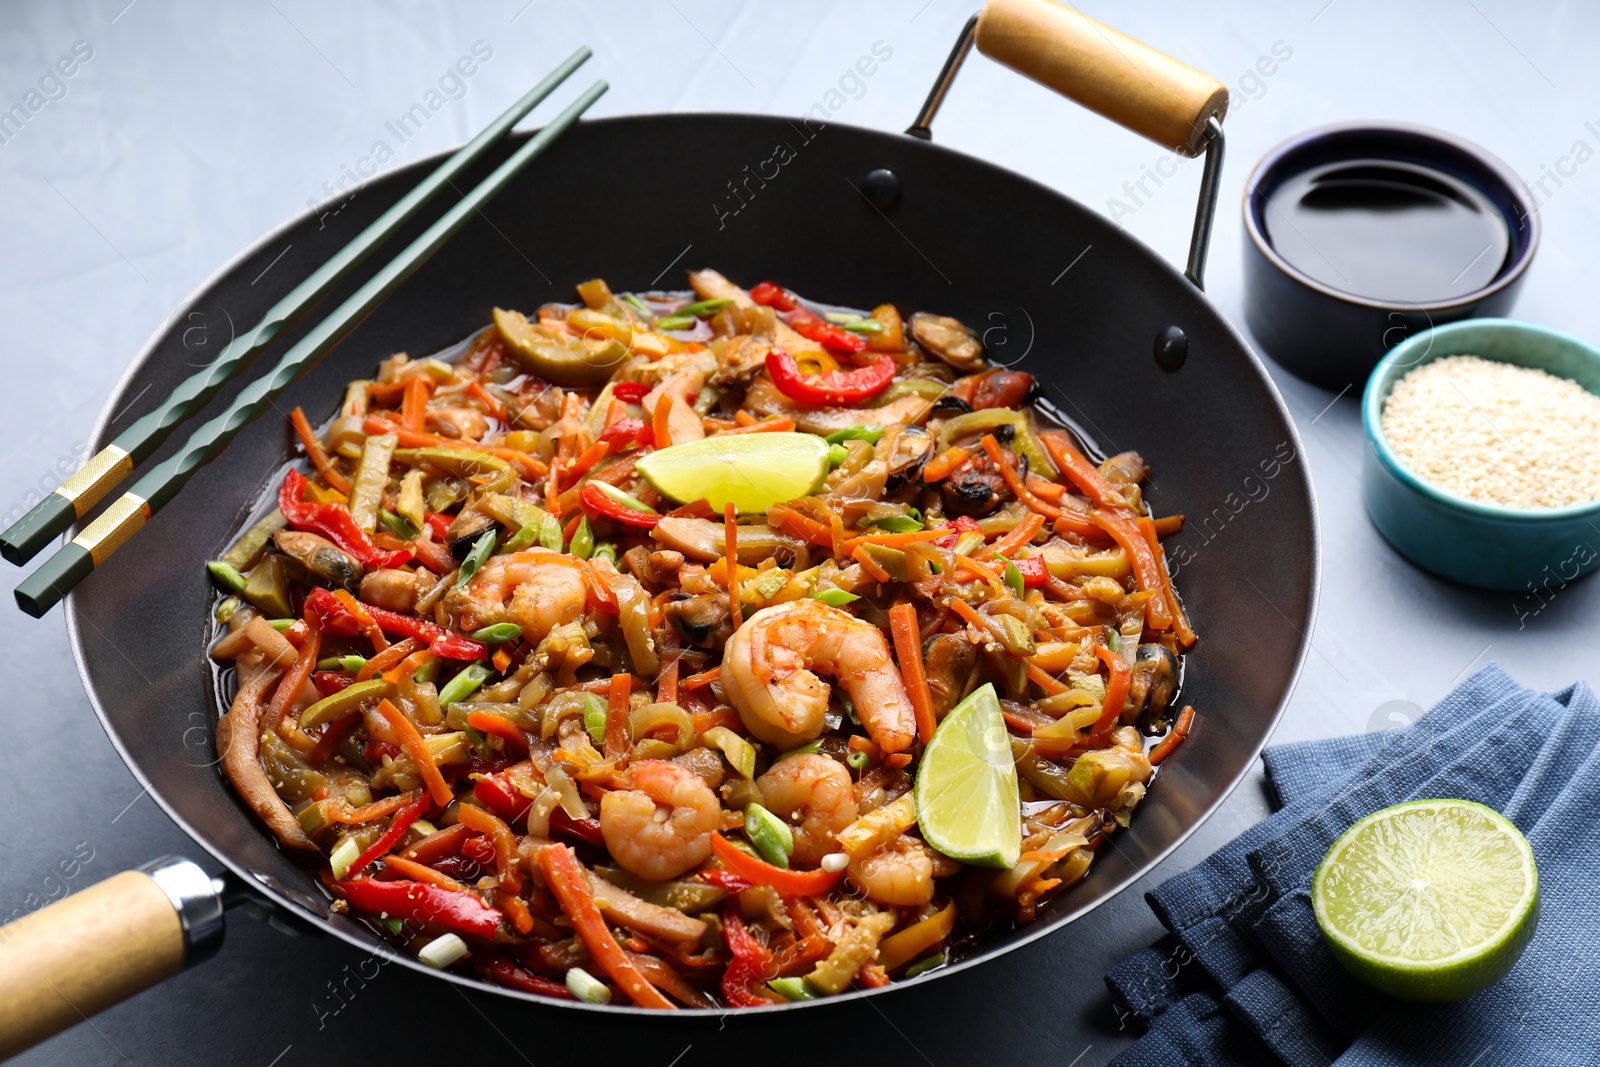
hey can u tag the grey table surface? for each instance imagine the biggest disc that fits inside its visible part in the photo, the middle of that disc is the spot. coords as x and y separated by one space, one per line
187 129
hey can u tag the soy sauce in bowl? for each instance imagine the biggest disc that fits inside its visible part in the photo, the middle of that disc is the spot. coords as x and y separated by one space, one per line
1389 230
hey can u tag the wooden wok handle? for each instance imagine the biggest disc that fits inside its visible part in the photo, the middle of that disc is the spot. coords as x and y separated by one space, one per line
100 946
1108 72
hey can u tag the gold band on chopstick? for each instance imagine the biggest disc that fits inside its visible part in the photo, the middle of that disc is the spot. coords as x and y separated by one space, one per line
95 478
116 524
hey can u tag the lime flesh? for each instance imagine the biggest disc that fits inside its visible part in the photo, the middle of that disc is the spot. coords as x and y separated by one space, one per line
966 789
1431 900
751 471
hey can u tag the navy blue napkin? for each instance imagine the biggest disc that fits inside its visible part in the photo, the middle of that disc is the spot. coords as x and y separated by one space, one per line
1244 977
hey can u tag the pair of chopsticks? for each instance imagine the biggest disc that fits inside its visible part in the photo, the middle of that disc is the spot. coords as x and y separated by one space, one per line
45 587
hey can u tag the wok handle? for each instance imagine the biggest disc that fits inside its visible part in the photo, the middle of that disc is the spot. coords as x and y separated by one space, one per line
102 945
1107 72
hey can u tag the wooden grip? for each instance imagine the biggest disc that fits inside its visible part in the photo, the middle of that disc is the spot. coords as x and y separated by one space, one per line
83 954
1108 72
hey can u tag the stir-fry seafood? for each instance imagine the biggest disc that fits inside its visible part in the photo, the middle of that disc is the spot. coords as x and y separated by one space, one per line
647 649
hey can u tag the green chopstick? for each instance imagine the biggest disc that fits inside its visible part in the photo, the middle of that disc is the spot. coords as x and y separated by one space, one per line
73 498
54 578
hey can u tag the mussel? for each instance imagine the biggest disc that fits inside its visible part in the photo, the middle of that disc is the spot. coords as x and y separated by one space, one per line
905 450
704 621
1154 684
323 561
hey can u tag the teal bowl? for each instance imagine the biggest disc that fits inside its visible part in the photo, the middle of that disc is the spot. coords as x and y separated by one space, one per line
1468 541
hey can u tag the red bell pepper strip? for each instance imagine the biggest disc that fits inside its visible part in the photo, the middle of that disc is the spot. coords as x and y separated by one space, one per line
961 525
569 883
774 296
330 682
751 964
585 830
496 794
510 975
418 901
804 322
725 880
629 392
439 521
397 829
760 872
444 643
1034 572
334 522
626 433
597 500
845 388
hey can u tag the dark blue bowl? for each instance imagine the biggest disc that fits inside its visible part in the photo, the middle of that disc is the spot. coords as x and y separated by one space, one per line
1332 338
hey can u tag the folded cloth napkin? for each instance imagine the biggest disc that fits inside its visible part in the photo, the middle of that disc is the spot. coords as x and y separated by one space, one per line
1244 976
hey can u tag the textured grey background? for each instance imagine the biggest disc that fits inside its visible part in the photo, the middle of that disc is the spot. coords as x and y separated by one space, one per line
194 127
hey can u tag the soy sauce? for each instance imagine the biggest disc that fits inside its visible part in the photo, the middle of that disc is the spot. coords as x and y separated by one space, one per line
1388 230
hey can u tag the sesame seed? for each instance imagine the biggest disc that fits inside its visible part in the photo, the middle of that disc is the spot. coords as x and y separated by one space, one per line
1496 432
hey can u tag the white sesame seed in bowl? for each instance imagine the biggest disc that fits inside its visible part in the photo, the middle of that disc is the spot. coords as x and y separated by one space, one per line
1515 436
1482 458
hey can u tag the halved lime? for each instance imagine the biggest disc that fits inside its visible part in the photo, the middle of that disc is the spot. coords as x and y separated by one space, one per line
751 470
966 787
1430 900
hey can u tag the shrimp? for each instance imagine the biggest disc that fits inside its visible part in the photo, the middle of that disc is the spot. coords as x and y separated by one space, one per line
815 794
899 873
767 673
535 590
662 826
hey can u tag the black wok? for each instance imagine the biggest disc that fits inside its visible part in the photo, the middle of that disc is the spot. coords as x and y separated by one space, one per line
637 200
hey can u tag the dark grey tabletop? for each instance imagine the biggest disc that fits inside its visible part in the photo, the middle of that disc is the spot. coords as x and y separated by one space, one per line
185 130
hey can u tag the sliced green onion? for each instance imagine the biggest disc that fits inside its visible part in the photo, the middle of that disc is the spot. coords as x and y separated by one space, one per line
858 760
227 576
677 322
393 925
869 434
482 549
705 308
1114 640
834 598
1013 578
346 852
770 835
842 318
928 963
428 673
896 523
969 543
582 544
479 742
443 951
281 625
623 498
638 305
587 988
837 454
864 326
226 609
594 717
350 663
397 524
528 535
497 634
794 988
805 749
550 533
463 684
605 550
849 709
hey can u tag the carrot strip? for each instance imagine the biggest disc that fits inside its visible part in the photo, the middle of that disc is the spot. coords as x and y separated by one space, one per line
1175 736
508 867
1180 622
1009 473
387 658
317 454
667 682
414 402
982 571
585 461
1046 681
1168 525
617 716
421 872
410 665
410 438
965 610
515 910
908 648
719 716
501 658
417 749
1146 572
744 418
569 882
889 540
289 686
378 808
941 466
1076 523
599 590
730 526
487 722
1116 693
491 403
1021 535
797 525
695 681
869 564
778 424
1051 491
663 421
1079 471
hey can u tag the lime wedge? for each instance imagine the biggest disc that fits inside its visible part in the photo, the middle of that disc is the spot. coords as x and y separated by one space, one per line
967 801
1430 900
753 471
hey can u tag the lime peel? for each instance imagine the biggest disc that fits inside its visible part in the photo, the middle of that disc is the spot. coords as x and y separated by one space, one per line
966 791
